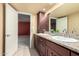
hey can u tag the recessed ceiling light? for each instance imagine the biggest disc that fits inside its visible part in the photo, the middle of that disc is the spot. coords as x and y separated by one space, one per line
44 9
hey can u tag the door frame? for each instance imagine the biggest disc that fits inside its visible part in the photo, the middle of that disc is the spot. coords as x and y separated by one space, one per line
4 15
4 12
25 13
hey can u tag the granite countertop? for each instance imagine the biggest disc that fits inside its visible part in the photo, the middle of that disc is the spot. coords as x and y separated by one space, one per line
70 45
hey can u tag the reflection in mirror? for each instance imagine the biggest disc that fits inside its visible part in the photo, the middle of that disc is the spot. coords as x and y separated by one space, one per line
58 24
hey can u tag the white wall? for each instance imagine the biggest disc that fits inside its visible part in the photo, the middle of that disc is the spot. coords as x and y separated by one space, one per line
11 42
61 24
1 29
73 23
33 29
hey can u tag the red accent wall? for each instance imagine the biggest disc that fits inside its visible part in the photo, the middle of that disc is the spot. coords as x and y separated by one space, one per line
24 28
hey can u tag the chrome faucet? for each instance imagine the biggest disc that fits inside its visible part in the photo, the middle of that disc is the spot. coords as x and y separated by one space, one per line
64 30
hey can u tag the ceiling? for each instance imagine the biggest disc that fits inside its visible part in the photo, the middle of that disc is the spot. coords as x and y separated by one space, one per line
65 9
32 7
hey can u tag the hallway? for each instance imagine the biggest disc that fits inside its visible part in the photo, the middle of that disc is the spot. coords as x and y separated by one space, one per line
24 41
23 47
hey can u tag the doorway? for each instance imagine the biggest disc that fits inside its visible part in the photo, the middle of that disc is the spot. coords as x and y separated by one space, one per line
23 30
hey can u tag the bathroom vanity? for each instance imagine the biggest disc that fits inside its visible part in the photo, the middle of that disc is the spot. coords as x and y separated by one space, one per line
47 46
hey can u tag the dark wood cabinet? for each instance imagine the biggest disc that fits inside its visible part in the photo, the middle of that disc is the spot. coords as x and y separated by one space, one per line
51 52
42 22
48 48
42 50
74 54
42 46
39 44
36 42
58 49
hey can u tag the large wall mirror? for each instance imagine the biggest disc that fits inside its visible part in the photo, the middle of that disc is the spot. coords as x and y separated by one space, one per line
58 24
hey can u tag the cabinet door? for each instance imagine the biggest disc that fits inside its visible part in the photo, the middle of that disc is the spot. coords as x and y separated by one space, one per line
36 42
42 46
59 49
42 23
42 50
51 52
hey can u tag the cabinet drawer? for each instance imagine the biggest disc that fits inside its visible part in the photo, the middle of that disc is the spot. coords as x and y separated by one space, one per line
60 50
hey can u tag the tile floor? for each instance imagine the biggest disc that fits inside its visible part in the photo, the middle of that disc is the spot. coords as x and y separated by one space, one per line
23 47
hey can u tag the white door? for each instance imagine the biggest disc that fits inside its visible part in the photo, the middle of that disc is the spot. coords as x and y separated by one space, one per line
11 31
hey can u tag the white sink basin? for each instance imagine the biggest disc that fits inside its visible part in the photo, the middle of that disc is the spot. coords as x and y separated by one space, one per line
64 39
